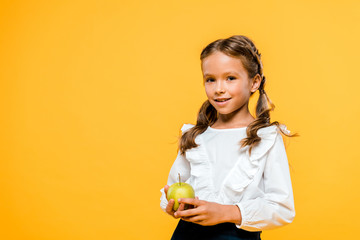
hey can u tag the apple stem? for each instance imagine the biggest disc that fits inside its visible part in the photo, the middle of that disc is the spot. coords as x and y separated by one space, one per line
179 179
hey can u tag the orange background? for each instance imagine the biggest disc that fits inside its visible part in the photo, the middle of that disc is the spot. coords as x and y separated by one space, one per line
93 95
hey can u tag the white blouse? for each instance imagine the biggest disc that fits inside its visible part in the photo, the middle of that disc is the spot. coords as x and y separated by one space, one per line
222 172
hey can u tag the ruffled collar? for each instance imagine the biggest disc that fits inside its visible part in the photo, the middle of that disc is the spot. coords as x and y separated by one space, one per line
242 174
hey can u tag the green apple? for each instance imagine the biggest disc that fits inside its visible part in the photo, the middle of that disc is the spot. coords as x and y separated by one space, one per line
180 190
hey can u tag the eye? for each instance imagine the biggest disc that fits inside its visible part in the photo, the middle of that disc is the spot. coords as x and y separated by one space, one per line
209 80
231 78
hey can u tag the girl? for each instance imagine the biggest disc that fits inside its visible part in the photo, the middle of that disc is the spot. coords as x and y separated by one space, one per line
236 163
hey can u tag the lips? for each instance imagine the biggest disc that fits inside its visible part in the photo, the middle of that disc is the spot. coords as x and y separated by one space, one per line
221 102
221 99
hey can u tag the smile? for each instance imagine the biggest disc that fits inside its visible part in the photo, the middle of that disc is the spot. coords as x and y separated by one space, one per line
221 102
222 99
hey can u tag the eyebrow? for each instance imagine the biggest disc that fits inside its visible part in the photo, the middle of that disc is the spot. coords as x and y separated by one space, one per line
227 73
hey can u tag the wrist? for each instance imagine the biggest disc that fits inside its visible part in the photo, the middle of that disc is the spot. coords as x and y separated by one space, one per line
232 214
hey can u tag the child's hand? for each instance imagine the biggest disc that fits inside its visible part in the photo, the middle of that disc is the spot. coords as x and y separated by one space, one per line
208 213
169 207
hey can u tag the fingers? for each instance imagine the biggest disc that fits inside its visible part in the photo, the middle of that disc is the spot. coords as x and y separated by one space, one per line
191 201
192 206
187 213
181 207
194 219
166 189
169 207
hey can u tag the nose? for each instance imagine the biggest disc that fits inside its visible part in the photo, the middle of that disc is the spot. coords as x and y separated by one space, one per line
219 87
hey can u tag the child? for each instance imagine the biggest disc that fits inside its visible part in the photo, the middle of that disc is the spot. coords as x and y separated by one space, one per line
236 163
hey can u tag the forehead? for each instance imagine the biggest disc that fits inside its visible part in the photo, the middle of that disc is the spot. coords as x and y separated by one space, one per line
219 62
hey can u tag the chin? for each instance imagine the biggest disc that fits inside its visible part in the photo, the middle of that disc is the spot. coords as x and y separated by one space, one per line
228 111
224 112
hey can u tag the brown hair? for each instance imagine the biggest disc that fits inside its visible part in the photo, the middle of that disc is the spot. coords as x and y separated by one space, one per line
243 48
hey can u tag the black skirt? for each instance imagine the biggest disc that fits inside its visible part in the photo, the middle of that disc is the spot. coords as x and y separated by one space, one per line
223 231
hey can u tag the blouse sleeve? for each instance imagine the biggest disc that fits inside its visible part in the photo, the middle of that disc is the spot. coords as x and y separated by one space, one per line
181 165
276 207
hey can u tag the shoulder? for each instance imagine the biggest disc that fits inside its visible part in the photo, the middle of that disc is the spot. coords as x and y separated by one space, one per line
270 136
273 129
186 127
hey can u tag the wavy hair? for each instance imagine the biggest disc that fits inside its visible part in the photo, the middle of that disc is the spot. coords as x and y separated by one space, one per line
243 48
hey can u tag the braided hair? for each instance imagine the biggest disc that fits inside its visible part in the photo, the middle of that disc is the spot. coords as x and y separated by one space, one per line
243 48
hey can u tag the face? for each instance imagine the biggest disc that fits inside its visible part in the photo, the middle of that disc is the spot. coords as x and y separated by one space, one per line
227 84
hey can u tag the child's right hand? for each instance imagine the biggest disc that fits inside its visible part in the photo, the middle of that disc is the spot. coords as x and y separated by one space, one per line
169 207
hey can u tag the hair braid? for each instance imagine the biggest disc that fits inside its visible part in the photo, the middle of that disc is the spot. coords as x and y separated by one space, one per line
243 48
206 117
263 107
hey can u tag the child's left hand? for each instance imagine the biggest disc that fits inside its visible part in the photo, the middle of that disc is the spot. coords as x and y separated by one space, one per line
208 213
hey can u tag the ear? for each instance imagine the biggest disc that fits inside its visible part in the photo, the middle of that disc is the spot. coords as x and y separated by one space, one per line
255 83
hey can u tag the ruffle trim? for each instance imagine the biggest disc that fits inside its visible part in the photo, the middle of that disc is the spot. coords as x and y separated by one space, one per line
201 171
239 177
247 166
186 127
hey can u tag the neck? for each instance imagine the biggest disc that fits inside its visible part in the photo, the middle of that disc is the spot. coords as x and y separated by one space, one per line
236 119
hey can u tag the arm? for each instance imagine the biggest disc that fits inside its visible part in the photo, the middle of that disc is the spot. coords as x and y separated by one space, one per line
276 207
208 213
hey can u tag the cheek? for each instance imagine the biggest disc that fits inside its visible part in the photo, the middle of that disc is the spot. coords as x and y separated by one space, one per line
235 91
241 90
207 91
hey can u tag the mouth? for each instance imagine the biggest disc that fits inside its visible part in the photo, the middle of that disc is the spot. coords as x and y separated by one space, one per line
222 99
